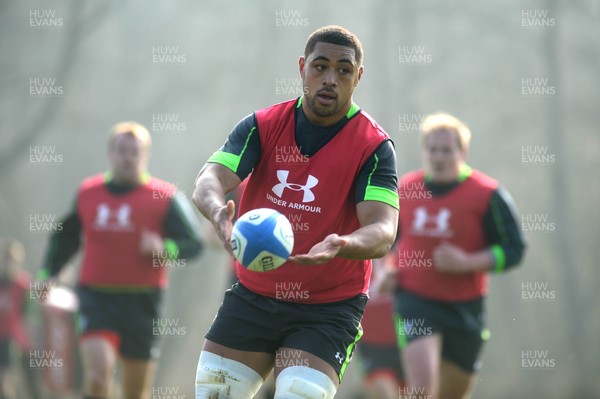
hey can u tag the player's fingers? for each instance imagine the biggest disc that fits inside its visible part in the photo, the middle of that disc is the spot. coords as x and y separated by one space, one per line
302 259
295 259
228 248
230 209
313 259
224 230
225 238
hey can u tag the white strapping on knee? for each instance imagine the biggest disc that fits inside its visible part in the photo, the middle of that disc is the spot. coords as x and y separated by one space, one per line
301 382
226 377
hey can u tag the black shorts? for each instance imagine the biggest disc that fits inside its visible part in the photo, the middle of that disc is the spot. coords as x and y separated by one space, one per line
125 319
376 359
461 324
252 322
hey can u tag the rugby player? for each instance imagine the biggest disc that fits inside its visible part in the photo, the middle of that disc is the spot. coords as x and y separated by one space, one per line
15 342
456 226
331 169
134 226
378 349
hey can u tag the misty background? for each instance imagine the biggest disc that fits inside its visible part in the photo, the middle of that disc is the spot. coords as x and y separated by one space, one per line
523 75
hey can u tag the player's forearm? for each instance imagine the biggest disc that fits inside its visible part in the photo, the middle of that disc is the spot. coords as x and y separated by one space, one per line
209 195
182 235
62 246
369 242
481 261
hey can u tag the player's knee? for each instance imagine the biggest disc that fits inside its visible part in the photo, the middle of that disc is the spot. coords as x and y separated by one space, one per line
97 380
222 378
300 382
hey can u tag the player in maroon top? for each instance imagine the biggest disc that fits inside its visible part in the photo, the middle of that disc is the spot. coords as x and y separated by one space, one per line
378 348
134 228
326 165
456 225
14 338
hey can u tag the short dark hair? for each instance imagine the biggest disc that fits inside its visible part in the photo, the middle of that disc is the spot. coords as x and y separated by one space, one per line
335 34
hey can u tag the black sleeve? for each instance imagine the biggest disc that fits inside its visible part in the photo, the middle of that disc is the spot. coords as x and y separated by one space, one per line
241 151
377 179
182 238
502 231
64 243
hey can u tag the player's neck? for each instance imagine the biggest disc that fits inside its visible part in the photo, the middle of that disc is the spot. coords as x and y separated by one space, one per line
125 182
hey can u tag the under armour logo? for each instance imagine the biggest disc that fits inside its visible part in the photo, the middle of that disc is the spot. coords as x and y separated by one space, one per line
106 218
282 175
422 218
339 357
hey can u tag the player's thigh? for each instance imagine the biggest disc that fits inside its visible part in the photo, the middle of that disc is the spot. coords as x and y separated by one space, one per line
100 339
456 383
421 359
136 377
261 362
328 332
98 356
460 362
139 325
247 329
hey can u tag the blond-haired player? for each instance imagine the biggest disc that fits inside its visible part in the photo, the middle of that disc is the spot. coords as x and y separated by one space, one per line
133 227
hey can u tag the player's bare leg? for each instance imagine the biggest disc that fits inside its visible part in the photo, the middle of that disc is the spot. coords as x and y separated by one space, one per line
382 387
99 361
421 361
456 383
7 389
261 362
29 381
267 390
137 377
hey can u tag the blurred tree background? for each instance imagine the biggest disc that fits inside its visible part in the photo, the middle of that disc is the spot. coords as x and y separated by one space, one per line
522 74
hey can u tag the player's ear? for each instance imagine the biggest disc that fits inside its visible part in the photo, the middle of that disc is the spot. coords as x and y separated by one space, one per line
301 64
360 72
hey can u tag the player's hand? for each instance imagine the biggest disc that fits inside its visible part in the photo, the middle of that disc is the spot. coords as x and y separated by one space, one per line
449 258
151 243
223 222
322 252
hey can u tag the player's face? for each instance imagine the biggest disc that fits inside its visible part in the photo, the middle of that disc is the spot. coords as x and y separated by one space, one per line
329 76
128 159
442 156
